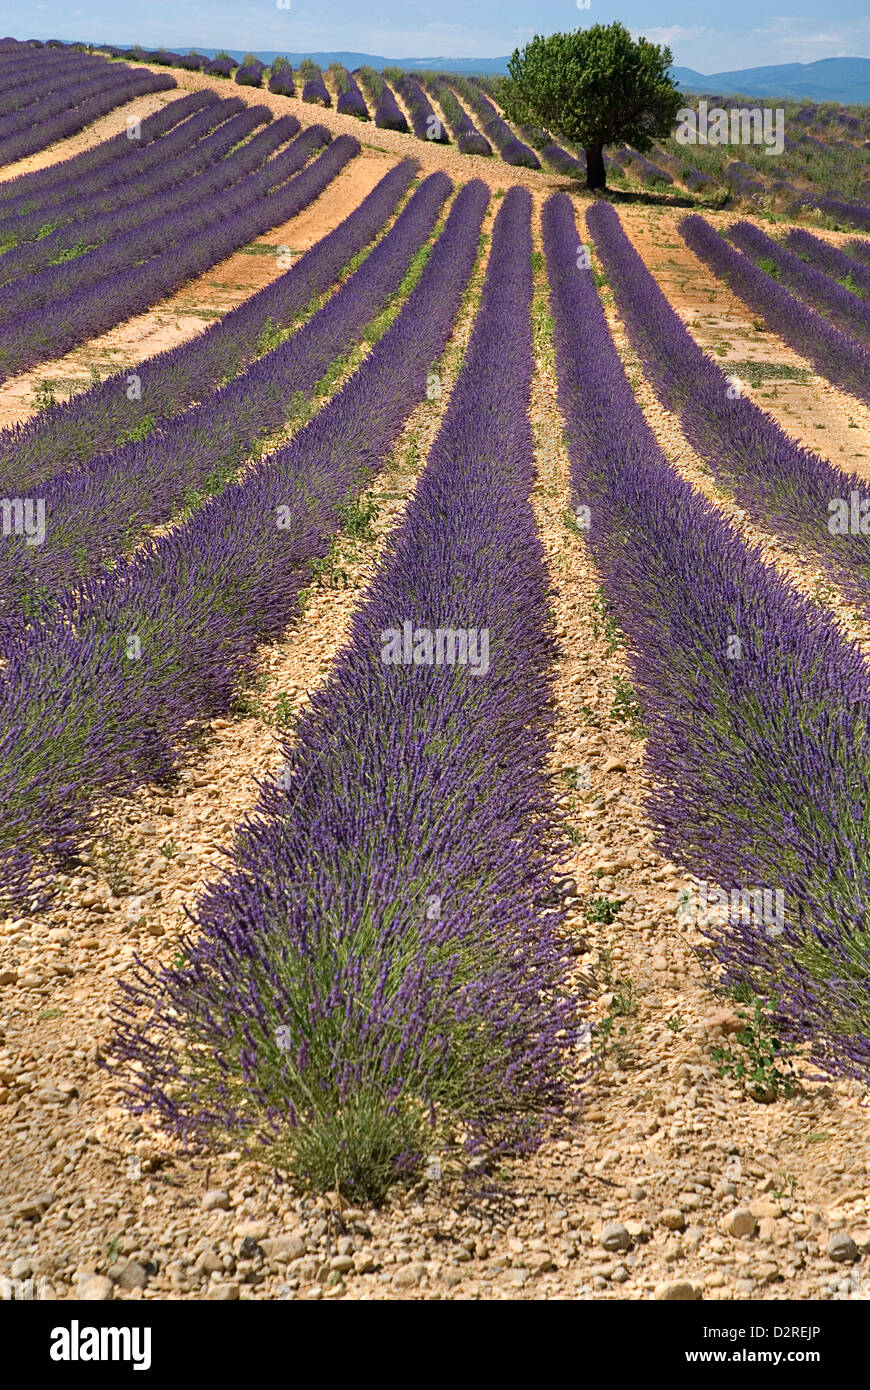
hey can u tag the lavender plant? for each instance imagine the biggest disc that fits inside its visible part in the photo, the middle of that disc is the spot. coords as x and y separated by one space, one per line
90 423
396 972
758 763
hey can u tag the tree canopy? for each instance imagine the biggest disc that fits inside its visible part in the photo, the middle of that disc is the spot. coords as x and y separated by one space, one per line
593 87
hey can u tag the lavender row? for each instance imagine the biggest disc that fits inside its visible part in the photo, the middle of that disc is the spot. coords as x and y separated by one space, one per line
130 176
756 707
426 124
102 696
130 236
381 907
54 103
70 121
512 150
350 99
206 169
93 310
468 138
40 81
785 487
94 514
316 91
388 113
831 352
853 214
127 402
15 193
827 258
834 301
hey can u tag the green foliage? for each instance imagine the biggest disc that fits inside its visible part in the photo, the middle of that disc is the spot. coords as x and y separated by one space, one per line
595 87
137 432
756 1066
603 910
43 394
307 69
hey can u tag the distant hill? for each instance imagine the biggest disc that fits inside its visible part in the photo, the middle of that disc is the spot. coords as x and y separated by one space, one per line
845 80
358 60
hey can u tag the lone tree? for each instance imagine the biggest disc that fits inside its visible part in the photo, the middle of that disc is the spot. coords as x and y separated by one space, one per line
594 87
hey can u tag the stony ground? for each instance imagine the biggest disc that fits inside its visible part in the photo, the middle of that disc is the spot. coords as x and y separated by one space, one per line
669 1180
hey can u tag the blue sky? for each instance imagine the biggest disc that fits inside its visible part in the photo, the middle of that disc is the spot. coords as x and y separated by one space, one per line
739 34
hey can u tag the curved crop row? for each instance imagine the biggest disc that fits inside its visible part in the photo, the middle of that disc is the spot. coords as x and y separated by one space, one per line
512 150
758 749
839 305
34 337
68 120
315 89
426 124
111 686
16 192
110 242
206 169
350 98
468 138
98 419
133 173
831 352
827 258
785 487
398 1016
388 113
93 514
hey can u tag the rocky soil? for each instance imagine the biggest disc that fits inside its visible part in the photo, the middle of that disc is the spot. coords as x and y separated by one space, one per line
668 1181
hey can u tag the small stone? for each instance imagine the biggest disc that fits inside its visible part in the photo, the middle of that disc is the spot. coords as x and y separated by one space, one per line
515 1278
216 1200
284 1247
614 765
34 1206
8 977
251 1230
342 1263
21 1268
739 1223
132 1276
615 1237
722 1023
620 1274
676 1291
95 1288
409 1276
538 1261
672 1219
716 1280
842 1248
223 1293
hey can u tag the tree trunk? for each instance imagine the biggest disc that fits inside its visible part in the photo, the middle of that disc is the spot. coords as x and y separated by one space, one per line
596 175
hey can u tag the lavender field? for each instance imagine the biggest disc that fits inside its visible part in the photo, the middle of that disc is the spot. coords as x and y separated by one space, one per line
434 690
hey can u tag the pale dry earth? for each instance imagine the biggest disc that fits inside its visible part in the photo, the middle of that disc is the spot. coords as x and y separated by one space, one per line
667 1182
